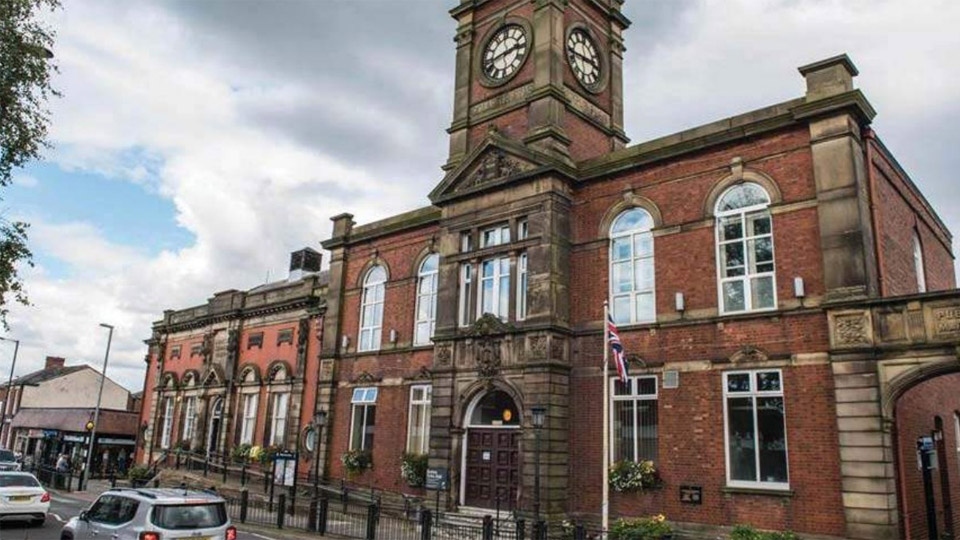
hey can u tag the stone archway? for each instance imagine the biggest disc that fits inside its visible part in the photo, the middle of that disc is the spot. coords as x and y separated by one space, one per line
880 354
491 451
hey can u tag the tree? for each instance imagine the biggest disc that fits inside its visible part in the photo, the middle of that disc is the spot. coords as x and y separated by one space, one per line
25 71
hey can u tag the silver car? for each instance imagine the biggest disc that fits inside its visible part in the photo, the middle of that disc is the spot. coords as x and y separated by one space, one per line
152 514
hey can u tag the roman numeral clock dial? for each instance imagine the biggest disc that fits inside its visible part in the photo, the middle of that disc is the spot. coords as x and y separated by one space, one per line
504 53
583 58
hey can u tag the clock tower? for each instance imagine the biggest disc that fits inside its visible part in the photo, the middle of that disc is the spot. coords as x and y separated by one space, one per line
543 73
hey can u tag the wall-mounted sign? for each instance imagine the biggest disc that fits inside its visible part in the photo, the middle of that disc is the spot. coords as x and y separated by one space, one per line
438 479
691 494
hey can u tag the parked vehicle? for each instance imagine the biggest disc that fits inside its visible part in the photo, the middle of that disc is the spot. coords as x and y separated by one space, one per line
23 498
152 514
8 460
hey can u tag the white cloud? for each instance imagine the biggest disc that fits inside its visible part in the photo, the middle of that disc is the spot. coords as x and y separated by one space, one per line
25 180
260 131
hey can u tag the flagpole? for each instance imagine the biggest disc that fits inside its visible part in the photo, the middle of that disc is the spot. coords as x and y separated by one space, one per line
605 507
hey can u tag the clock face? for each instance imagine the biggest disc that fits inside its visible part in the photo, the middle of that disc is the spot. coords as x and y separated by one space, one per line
583 57
505 52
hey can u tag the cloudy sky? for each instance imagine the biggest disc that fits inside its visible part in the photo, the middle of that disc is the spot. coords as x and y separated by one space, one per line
199 142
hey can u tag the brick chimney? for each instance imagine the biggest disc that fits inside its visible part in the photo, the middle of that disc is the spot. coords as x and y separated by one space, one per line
53 362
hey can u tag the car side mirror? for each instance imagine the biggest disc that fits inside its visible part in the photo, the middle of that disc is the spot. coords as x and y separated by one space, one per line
83 515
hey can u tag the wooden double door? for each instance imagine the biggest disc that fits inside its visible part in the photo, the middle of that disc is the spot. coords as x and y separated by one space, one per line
493 467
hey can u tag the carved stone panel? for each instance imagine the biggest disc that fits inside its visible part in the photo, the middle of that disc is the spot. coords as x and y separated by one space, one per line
487 354
946 322
538 347
851 329
443 355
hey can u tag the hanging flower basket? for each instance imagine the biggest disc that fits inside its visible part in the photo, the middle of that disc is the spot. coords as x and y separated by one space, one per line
356 461
413 469
634 476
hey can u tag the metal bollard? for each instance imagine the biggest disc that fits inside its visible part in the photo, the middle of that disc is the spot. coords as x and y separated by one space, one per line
426 522
487 527
521 529
579 532
244 504
372 518
281 505
324 512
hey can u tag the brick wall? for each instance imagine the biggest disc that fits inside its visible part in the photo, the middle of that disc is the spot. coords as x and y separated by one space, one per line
915 413
691 449
900 210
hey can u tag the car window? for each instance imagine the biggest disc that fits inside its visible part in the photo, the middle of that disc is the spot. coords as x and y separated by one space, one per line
192 516
113 510
105 510
6 455
18 480
127 510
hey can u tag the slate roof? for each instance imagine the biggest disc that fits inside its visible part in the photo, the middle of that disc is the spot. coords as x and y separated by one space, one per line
44 375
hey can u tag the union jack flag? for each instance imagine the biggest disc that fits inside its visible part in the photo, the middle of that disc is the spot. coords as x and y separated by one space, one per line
619 359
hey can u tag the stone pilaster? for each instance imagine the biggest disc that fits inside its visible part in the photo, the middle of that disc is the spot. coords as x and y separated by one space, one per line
837 113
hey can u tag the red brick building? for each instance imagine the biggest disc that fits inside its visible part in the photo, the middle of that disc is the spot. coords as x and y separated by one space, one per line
782 289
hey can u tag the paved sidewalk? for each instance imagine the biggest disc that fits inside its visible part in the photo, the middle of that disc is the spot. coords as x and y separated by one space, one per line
94 489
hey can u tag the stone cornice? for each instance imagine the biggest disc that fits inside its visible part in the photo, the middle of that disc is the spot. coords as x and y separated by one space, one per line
302 302
420 217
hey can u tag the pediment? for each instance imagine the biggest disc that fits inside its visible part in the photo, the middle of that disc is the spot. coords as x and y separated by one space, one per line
497 161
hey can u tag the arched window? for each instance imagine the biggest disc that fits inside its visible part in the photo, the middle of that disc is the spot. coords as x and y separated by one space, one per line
426 300
918 263
745 265
631 268
371 309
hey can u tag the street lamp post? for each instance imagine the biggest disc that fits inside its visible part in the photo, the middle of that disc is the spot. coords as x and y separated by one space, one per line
6 400
96 411
319 421
539 414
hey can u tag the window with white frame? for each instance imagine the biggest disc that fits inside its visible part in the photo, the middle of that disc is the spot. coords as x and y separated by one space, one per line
249 421
466 293
371 309
631 268
418 430
747 281
426 300
522 287
523 229
165 433
364 416
495 287
756 433
918 264
633 419
189 418
466 242
495 236
278 421
956 433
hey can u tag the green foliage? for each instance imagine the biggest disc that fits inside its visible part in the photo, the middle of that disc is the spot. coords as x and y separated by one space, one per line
240 452
746 532
25 70
413 469
633 476
13 250
25 45
356 461
138 472
648 528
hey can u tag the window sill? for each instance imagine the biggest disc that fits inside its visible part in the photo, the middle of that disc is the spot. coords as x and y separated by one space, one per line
769 492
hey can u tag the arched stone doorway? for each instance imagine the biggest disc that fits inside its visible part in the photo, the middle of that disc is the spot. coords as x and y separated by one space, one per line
491 456
923 403
213 428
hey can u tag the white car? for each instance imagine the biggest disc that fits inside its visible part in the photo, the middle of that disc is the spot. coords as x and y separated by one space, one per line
23 498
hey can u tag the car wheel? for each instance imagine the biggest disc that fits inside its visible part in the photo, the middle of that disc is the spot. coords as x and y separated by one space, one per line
66 536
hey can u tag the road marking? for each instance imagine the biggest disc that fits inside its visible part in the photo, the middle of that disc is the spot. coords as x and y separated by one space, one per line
56 517
260 535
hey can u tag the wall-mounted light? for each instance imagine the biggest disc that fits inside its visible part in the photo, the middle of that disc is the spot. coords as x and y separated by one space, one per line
798 288
680 303
393 335
345 342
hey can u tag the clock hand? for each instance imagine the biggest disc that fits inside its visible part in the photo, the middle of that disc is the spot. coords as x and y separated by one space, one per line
506 52
587 59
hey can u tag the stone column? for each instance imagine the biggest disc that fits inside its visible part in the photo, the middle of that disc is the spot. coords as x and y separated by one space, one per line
836 113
